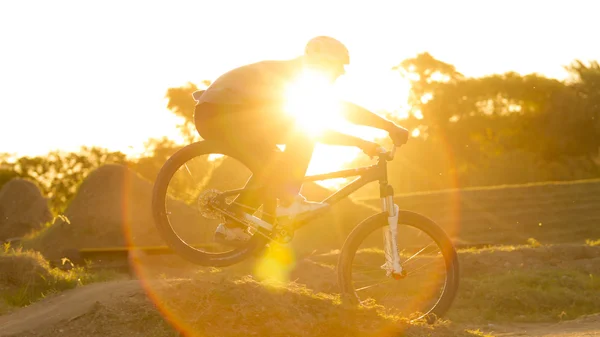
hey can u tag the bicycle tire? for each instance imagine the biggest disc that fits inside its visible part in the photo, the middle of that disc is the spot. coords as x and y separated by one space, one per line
161 220
365 228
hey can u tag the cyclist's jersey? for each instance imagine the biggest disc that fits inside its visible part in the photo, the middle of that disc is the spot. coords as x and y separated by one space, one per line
253 84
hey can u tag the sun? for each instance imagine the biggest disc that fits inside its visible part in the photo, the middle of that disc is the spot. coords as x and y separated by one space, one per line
312 101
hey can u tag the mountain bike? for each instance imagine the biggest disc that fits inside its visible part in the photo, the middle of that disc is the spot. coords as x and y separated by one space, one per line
410 241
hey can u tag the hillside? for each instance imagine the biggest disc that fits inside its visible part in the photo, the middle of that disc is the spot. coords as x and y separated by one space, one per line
555 212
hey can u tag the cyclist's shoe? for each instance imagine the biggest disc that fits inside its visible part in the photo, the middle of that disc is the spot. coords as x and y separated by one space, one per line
230 235
298 206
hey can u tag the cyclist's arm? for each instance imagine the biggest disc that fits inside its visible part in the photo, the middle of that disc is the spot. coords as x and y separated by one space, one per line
337 138
332 137
361 116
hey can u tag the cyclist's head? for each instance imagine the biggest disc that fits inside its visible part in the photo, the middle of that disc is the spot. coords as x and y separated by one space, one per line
327 54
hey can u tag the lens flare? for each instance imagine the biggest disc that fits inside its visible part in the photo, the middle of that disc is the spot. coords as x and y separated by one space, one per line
276 264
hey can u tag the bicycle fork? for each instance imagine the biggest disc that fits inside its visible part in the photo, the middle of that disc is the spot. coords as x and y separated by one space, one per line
392 264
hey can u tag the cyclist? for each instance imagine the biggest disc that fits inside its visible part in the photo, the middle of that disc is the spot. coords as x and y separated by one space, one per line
245 108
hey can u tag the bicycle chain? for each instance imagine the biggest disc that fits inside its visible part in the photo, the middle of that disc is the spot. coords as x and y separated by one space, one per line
283 233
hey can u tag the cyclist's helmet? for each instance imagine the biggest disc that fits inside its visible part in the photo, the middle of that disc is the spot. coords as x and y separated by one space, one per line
327 49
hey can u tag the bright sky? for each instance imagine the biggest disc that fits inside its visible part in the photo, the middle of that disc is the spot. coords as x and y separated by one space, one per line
95 73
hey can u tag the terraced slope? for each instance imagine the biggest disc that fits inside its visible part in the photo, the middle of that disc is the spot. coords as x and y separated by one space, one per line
549 212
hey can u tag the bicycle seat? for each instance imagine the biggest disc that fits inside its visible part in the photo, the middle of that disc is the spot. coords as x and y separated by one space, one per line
196 94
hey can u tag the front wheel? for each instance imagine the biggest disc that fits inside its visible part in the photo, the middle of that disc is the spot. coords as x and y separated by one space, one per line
428 259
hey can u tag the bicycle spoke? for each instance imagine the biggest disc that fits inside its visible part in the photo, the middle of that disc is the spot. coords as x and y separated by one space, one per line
372 279
192 197
417 253
420 267
368 266
190 172
374 285
375 270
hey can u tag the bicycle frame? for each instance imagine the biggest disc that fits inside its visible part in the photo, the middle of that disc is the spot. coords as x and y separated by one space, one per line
367 174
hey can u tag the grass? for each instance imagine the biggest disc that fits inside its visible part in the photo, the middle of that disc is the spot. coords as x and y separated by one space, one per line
534 283
25 277
533 243
478 332
592 243
525 296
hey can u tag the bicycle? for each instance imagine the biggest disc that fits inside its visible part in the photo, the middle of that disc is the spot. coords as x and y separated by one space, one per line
397 264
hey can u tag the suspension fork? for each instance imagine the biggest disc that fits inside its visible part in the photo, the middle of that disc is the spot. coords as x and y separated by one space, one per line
392 264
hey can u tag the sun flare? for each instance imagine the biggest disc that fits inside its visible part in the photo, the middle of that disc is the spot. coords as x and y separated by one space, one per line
312 101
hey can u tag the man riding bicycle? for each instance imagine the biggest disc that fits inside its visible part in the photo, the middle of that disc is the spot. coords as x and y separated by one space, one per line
245 108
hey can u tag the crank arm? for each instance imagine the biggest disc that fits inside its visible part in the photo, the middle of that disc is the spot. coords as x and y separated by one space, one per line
249 220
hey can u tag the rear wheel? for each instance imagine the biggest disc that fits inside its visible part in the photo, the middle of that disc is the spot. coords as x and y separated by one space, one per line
193 174
429 262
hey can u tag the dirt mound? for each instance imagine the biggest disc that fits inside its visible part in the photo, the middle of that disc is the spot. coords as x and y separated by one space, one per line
22 269
112 208
211 306
26 277
316 273
22 209
551 285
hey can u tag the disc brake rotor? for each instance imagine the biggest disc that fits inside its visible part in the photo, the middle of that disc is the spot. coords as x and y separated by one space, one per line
205 206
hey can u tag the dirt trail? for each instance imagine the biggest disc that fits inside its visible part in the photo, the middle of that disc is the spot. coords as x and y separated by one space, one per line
65 307
585 326
58 312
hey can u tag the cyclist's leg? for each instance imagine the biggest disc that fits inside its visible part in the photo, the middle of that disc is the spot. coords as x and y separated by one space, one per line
258 186
283 172
223 122
258 130
237 126
294 162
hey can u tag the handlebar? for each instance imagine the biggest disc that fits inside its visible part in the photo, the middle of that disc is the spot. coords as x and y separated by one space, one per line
382 152
387 154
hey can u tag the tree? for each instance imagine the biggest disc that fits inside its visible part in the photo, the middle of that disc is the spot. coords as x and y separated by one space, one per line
157 152
496 129
182 105
587 86
425 73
